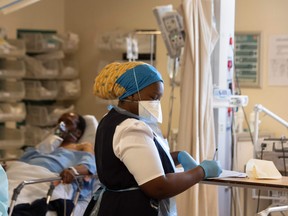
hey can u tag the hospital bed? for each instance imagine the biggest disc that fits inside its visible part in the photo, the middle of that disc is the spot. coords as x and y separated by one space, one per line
30 182
74 199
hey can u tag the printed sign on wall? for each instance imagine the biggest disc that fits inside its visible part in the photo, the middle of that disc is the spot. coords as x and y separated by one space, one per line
247 59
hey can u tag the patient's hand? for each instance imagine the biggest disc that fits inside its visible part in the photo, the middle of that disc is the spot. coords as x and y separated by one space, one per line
67 176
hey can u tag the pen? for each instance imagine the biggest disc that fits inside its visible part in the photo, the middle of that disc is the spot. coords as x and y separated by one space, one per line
214 157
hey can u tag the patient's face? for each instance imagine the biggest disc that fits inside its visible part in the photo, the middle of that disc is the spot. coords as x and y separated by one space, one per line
71 120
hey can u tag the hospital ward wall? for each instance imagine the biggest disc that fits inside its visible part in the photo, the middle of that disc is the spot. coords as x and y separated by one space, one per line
91 20
269 18
41 15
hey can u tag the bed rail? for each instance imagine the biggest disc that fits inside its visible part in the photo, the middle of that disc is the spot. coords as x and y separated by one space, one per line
18 189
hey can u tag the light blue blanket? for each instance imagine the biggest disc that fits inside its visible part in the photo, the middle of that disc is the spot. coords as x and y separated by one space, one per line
61 159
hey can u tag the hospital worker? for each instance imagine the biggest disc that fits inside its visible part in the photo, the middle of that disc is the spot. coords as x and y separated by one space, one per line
3 192
132 157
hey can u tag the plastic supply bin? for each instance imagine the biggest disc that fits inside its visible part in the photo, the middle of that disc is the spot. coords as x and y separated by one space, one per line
39 42
12 48
12 69
43 115
69 89
12 90
12 112
42 69
41 90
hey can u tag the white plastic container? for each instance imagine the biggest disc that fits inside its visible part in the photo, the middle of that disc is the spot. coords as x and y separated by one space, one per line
12 48
39 42
12 112
69 89
41 90
12 68
45 115
42 69
68 69
12 90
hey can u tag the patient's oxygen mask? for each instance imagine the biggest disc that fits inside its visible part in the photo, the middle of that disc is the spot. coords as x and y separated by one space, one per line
62 131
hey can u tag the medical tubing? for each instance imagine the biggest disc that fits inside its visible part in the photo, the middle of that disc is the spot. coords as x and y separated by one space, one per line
171 99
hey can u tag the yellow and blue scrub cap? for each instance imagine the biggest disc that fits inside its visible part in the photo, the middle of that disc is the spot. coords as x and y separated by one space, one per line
120 80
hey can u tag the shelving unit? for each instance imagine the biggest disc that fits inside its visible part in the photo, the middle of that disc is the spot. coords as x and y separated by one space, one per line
12 92
38 83
51 81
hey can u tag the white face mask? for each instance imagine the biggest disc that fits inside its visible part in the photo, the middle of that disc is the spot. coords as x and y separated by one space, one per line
150 110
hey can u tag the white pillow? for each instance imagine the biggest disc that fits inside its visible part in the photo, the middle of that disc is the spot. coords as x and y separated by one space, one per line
90 131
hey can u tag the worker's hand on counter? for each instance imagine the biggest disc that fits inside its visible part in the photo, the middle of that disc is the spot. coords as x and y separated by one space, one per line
186 160
211 168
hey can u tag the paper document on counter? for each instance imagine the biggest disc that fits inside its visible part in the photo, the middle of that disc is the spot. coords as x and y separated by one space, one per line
232 174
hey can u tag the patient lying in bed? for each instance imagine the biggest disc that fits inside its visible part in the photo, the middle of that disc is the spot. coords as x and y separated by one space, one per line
61 154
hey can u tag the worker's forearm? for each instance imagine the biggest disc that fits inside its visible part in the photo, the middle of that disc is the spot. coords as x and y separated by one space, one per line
172 184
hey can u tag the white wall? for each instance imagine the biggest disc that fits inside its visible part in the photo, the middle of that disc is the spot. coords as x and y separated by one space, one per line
269 18
46 14
93 18
90 19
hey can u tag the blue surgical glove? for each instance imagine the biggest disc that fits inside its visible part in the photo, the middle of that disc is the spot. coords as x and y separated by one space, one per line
211 168
186 160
